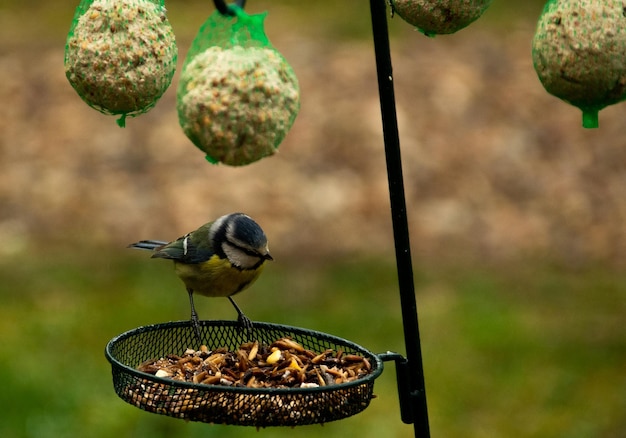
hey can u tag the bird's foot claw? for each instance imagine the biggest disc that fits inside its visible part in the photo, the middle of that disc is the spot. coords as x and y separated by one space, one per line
245 322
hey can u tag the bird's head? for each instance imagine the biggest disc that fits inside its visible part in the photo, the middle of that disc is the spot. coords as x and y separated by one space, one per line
241 240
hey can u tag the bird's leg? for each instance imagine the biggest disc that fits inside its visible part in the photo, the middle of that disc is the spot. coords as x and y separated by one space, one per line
242 319
194 316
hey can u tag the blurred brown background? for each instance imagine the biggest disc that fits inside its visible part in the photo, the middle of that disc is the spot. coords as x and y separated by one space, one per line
494 167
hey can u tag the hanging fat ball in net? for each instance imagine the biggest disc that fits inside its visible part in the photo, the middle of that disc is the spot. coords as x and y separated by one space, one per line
579 53
237 96
120 55
433 17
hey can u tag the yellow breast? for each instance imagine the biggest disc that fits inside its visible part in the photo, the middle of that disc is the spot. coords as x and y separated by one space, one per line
216 277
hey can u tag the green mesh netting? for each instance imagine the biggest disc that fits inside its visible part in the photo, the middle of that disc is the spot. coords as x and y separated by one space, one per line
433 17
120 55
579 53
237 96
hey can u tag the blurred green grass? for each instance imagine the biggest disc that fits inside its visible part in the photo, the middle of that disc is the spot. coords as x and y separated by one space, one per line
526 350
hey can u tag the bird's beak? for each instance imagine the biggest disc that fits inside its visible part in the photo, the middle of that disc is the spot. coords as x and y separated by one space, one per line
268 256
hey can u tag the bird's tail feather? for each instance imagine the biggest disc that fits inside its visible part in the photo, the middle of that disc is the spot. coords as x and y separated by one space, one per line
149 245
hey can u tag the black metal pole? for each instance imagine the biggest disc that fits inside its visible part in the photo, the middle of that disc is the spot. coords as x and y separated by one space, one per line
417 394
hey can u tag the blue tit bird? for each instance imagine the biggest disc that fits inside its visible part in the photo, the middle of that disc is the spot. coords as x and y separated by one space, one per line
219 259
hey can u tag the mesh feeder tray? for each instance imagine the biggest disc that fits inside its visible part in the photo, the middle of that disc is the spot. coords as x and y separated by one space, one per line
234 405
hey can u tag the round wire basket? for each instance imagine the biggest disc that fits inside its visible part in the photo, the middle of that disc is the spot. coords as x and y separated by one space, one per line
235 405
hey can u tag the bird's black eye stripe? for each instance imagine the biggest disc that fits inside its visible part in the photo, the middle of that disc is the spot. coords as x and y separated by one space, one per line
247 251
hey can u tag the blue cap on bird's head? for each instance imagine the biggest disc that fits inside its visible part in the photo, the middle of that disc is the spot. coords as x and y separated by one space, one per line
244 228
241 231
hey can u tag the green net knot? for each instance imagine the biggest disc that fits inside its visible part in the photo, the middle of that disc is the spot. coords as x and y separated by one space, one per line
248 28
590 117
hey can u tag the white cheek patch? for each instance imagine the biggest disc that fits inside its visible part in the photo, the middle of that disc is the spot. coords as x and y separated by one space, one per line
185 245
239 258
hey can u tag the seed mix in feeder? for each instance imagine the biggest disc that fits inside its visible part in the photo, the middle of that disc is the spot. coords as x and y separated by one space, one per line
283 364
120 55
433 17
579 53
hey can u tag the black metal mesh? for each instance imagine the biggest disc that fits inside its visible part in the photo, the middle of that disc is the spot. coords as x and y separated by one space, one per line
258 407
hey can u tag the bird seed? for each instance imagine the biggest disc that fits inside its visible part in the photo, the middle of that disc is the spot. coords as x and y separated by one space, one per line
237 104
121 55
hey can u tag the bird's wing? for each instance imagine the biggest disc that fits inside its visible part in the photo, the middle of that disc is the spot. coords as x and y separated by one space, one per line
194 247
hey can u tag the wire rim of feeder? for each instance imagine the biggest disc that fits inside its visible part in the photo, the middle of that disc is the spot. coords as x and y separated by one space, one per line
232 404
